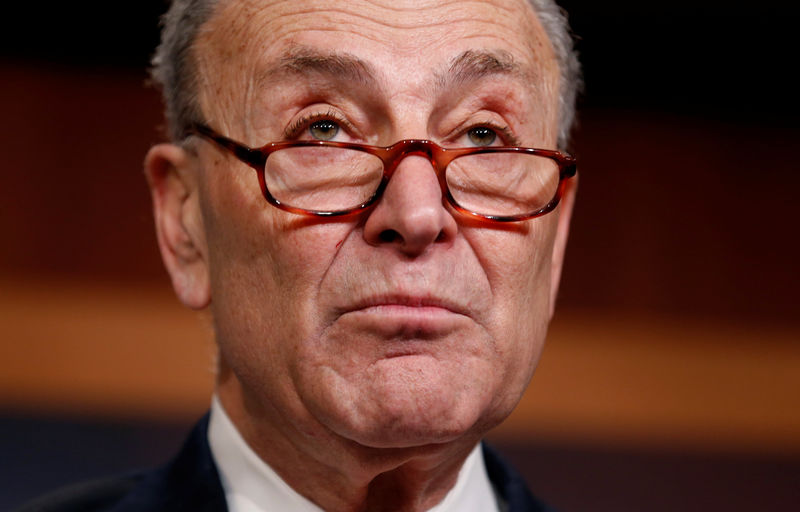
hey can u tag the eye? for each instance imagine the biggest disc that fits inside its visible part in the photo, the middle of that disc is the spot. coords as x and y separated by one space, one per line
324 129
482 136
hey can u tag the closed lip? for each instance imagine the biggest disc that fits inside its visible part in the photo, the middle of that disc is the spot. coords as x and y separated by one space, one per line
408 301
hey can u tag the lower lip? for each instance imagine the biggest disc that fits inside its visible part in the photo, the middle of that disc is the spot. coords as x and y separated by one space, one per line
407 321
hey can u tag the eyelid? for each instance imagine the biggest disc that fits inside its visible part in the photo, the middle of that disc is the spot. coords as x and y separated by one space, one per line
296 129
503 131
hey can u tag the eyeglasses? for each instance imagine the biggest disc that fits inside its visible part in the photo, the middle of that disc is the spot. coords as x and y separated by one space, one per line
322 178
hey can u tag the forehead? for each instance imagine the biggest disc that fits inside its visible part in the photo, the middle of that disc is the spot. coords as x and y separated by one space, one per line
407 44
406 25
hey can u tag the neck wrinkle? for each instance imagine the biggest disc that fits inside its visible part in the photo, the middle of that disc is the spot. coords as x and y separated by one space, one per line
339 475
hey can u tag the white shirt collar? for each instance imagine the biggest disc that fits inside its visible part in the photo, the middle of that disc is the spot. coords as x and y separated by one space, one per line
250 485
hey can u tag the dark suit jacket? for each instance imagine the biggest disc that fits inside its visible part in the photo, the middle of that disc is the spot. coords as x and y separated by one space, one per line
190 483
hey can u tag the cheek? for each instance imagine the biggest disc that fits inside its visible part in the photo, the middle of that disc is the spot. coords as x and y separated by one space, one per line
277 274
519 277
265 266
519 274
250 239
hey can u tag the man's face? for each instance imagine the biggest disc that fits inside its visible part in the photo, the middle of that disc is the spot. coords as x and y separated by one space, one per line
408 324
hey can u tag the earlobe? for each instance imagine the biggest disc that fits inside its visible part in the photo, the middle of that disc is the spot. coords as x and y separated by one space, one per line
560 243
179 223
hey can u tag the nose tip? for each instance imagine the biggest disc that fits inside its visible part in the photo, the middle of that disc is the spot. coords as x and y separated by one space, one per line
411 215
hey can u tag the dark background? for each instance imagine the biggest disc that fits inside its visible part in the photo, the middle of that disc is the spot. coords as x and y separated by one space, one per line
687 208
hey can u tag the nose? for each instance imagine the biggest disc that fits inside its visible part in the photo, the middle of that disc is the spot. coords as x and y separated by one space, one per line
411 215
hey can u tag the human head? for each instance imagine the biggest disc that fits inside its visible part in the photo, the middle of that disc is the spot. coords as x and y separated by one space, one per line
407 325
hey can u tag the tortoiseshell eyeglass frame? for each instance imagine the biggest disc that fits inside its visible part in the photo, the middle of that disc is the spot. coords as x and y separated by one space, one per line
391 156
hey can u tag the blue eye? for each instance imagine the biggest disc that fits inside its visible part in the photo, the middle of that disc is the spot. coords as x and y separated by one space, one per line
324 129
482 136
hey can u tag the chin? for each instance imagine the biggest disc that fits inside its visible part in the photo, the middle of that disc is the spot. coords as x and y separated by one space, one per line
413 428
407 406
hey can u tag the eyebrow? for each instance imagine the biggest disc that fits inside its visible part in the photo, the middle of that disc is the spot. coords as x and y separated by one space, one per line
304 61
469 66
473 65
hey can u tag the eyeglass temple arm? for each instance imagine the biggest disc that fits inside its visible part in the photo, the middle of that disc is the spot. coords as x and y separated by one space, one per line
253 157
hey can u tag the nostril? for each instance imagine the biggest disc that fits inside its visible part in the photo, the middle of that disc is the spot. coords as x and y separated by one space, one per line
389 235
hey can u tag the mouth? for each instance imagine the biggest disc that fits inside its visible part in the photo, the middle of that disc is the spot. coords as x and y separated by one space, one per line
407 316
408 304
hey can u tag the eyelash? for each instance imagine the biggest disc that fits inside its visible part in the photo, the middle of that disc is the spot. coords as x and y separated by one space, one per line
503 131
302 124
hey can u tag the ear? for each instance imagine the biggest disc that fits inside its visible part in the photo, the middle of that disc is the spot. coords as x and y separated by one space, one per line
179 223
564 213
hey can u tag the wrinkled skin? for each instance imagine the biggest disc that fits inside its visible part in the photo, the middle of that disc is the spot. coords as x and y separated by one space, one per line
370 352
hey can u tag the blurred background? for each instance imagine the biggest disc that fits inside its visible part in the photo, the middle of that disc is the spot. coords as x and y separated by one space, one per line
671 379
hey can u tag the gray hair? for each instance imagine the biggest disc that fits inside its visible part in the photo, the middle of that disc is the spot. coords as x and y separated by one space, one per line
556 25
175 72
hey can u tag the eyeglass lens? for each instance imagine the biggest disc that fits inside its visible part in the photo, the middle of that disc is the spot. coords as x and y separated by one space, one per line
337 179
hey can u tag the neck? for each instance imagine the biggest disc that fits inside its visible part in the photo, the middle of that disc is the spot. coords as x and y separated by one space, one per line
338 474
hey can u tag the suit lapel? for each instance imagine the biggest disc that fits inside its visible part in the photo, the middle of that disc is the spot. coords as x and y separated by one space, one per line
510 485
189 483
